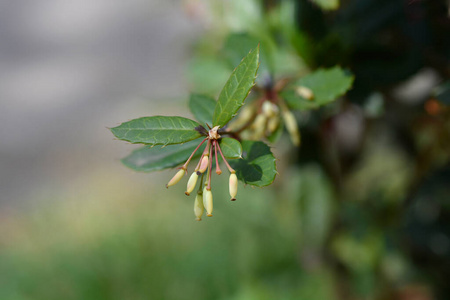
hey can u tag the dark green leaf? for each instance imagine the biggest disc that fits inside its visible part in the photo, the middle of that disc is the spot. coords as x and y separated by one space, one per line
257 167
202 107
231 148
326 85
236 89
148 159
157 130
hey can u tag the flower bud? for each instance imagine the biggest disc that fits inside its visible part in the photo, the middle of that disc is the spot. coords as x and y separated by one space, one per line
175 179
305 92
198 207
191 183
259 126
269 109
233 186
272 124
244 116
208 202
291 126
204 164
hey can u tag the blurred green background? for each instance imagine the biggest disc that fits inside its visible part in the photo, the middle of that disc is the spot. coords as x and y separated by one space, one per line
360 211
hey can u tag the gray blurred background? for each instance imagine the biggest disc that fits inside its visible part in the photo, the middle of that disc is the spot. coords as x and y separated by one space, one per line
69 70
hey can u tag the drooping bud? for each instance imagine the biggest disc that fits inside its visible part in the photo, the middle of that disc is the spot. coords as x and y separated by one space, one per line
233 186
244 116
269 109
198 207
204 195
259 126
305 92
291 126
208 202
191 183
272 124
175 179
204 164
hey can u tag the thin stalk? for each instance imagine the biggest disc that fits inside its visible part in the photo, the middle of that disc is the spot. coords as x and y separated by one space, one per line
184 167
218 170
223 157
210 168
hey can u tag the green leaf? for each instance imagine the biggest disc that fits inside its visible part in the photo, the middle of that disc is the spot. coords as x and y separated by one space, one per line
148 159
237 44
157 130
236 89
231 148
327 4
202 107
257 167
326 85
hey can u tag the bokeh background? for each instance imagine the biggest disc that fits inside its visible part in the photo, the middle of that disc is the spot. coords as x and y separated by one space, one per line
365 219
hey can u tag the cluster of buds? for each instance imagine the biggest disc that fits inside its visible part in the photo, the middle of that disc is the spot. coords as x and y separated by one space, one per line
262 118
204 198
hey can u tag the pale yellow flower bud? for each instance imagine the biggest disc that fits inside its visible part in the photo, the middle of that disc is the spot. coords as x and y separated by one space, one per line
175 179
269 109
291 126
259 126
272 124
198 207
204 163
233 186
191 183
243 118
305 92
208 202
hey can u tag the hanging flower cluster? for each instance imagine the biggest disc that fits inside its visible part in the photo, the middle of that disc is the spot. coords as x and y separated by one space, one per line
263 117
204 198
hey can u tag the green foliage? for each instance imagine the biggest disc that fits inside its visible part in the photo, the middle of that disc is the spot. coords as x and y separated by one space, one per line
231 148
257 167
202 107
236 89
158 130
237 44
326 85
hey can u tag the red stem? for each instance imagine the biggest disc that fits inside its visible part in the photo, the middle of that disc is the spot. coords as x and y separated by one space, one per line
184 167
210 168
218 170
223 157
